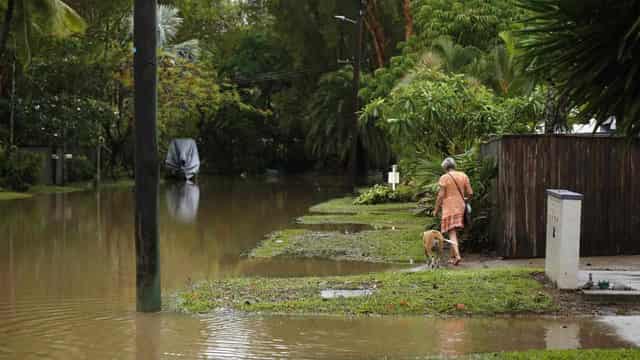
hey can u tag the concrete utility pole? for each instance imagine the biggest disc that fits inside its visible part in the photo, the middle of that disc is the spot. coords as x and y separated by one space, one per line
146 156
353 159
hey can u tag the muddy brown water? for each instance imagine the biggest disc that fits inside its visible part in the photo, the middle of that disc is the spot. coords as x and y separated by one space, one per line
67 284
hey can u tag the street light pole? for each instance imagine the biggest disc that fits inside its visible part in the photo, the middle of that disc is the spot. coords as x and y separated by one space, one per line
353 159
148 296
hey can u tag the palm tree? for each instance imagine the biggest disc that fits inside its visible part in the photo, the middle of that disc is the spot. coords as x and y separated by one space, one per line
454 58
509 77
589 50
169 23
25 19
32 18
330 130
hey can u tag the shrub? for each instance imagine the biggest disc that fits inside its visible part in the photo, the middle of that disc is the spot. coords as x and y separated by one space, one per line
380 194
80 168
19 169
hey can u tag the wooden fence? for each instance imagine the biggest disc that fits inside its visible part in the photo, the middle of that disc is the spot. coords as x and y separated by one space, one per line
605 169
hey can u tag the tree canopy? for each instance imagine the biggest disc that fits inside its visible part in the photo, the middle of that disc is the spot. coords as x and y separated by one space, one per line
589 50
269 83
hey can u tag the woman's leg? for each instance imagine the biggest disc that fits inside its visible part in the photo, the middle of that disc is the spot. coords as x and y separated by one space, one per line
455 250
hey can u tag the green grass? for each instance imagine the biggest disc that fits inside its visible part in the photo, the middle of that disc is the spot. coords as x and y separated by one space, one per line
396 236
119 184
482 292
618 354
391 246
9 195
39 190
52 189
345 205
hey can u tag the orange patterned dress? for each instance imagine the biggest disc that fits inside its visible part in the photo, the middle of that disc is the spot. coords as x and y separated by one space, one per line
452 202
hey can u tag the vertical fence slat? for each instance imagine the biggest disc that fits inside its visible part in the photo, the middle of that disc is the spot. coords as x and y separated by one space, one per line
605 169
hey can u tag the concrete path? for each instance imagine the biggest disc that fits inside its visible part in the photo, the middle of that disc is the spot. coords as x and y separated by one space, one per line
622 270
604 263
615 278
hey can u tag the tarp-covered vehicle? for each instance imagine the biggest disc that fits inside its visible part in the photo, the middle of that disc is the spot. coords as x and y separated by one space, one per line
183 160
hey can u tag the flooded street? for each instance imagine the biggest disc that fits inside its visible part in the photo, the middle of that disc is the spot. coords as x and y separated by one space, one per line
67 284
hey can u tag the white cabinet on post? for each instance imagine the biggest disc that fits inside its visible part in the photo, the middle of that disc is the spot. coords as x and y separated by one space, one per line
563 237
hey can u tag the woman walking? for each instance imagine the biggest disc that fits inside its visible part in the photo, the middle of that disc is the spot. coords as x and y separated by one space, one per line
455 191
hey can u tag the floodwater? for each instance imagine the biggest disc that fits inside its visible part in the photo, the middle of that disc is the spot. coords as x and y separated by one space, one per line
67 284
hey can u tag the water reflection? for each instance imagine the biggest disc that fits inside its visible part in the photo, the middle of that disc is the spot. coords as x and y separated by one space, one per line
148 336
182 201
452 336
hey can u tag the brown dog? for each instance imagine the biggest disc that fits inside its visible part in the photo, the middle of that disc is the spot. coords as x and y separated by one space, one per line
433 239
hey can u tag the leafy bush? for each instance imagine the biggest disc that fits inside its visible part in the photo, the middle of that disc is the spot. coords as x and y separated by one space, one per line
80 168
18 169
380 194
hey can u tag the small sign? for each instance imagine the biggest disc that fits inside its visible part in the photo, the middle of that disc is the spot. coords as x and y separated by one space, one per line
394 177
68 156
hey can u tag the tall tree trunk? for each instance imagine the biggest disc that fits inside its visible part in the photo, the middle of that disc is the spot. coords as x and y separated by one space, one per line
556 112
355 139
146 156
376 30
12 114
379 59
6 26
408 19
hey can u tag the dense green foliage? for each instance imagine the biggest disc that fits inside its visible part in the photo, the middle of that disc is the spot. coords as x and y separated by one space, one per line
263 84
469 22
589 50
382 194
438 113
19 170
34 19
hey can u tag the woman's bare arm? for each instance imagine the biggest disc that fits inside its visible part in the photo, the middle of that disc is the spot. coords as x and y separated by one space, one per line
439 199
468 190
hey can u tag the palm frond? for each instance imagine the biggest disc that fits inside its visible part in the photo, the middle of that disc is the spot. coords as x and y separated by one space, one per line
589 50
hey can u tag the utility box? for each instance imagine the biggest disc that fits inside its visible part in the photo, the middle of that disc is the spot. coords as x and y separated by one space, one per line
564 210
394 177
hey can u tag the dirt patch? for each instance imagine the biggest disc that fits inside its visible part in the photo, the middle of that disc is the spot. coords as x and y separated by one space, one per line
572 303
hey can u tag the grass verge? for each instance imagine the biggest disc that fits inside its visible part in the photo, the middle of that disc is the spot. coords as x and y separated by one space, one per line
390 246
52 189
444 292
617 354
9 195
395 236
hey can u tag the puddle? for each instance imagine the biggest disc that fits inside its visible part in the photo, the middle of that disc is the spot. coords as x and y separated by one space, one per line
340 228
335 293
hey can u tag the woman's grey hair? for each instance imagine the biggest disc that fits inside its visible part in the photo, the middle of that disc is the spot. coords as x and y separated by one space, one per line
449 164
